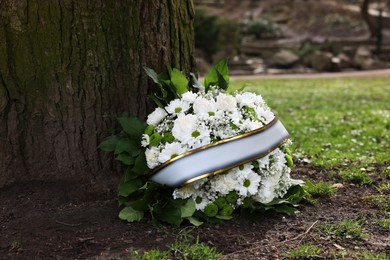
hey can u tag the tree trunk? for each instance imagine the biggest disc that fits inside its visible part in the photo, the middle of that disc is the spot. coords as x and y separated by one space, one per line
372 25
68 68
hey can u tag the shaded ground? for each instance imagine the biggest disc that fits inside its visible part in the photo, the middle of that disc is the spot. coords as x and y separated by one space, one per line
48 221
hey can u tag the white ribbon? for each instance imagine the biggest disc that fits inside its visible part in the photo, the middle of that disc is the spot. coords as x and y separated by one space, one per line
221 156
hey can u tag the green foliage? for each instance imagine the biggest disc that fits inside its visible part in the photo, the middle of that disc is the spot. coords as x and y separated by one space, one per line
368 255
384 223
154 254
381 201
219 35
350 228
304 251
263 28
217 76
184 249
356 177
320 189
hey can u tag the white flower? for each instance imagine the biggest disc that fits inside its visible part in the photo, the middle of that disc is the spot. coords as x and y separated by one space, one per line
189 96
249 99
265 116
205 106
200 137
249 184
250 125
156 116
184 192
183 127
225 102
266 193
224 183
145 140
177 106
170 151
200 201
151 155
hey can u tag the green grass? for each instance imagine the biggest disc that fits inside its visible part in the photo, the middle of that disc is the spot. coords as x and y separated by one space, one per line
348 229
181 249
304 251
354 176
384 223
318 190
381 201
334 122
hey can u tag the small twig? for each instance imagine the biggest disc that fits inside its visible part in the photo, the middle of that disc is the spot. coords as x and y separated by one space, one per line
287 240
81 239
300 235
67 224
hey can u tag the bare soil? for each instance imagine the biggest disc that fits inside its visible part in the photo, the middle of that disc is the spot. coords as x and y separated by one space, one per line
58 221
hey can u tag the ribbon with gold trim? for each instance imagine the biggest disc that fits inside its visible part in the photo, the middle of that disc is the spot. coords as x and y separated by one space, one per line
221 156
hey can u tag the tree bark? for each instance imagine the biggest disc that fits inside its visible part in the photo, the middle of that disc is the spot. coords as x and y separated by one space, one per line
68 68
371 23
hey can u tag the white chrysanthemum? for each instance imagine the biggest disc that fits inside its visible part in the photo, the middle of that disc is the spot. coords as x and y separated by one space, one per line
170 151
266 193
145 140
189 96
250 125
198 184
249 184
249 99
156 116
183 127
265 115
243 170
224 183
184 192
177 106
200 201
204 106
264 162
200 137
151 155
226 102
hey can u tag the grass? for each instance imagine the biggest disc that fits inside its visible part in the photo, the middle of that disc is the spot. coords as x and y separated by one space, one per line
181 249
381 201
349 229
384 223
319 190
334 122
359 177
304 251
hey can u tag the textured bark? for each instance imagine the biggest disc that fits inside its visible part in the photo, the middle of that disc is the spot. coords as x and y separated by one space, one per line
371 23
68 68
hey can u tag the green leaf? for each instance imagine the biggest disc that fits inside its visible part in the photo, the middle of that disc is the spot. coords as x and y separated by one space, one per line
284 208
109 144
194 221
125 158
179 81
188 209
130 214
132 126
218 75
128 187
140 166
224 217
152 74
169 214
140 205
126 145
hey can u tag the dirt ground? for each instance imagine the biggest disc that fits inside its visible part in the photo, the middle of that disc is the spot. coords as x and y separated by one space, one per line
50 221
